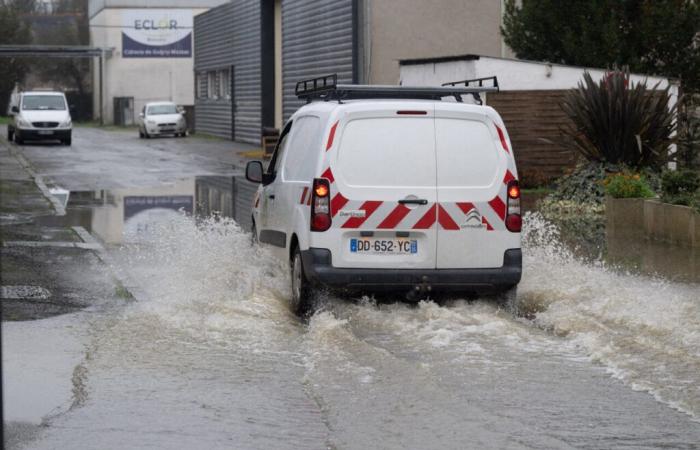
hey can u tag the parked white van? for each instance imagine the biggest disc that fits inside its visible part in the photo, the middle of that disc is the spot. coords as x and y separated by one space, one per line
40 116
392 188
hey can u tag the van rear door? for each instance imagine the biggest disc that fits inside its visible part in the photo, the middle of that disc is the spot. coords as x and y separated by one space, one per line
385 175
473 167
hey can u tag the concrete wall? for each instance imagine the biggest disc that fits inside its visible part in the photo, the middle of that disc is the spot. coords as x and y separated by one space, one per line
653 219
513 74
145 79
406 29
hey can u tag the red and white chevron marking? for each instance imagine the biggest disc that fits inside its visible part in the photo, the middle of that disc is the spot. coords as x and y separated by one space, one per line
383 215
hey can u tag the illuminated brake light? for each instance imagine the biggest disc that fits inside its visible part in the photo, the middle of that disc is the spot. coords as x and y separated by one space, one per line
321 205
514 191
514 220
321 190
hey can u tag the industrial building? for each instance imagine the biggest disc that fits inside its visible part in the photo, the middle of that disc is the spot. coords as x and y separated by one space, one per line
149 54
249 54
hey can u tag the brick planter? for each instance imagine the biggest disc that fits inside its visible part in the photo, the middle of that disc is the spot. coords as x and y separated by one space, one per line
653 219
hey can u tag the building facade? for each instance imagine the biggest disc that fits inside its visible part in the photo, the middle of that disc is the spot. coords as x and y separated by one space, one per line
150 53
249 54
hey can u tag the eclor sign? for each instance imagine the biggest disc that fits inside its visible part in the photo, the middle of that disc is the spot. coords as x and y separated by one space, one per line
156 33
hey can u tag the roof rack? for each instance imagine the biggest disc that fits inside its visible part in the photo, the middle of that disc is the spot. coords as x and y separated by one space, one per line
326 88
467 83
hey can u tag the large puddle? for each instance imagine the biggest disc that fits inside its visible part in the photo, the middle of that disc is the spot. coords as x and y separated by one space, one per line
604 355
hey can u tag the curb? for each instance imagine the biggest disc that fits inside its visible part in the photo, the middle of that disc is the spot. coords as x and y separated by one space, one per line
38 179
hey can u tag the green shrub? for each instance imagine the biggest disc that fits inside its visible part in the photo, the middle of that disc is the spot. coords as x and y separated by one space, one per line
615 122
583 185
681 187
627 185
678 182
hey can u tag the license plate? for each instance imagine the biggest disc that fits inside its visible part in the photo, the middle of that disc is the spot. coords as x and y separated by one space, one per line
46 132
384 246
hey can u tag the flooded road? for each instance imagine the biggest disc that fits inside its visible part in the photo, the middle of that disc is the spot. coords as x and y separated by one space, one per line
209 356
601 351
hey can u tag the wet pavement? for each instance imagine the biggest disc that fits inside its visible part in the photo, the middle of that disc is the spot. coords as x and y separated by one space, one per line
207 355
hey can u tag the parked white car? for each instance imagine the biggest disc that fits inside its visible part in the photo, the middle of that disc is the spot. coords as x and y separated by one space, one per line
380 188
40 116
160 118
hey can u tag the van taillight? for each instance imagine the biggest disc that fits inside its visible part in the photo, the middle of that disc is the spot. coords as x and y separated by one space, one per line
321 205
514 220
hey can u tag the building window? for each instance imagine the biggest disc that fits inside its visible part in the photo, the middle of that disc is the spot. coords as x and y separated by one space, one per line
202 85
224 84
212 84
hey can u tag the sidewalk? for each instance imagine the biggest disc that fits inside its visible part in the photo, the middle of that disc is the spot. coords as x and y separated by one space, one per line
46 271
20 197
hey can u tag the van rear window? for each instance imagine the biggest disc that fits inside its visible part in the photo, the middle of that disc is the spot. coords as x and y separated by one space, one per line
466 154
388 151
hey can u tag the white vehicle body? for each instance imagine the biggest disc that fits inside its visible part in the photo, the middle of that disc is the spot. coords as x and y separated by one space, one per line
418 196
161 118
40 115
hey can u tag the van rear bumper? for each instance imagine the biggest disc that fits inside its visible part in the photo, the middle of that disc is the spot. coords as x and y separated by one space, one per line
319 270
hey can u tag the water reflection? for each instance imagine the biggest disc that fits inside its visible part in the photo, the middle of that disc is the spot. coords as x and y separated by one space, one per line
129 216
124 216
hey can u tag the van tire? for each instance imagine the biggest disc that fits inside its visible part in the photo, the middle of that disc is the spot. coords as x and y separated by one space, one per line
303 295
10 134
254 235
18 139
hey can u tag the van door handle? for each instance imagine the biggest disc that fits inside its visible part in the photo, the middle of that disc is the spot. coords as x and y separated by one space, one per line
272 196
413 201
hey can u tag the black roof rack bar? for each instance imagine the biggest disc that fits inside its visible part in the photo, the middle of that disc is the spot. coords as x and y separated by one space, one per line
480 81
316 86
326 88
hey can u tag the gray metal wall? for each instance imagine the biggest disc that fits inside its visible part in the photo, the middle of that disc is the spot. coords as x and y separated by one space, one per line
317 39
246 59
213 49
225 36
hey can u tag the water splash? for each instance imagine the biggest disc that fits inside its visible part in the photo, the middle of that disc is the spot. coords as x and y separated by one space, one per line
645 330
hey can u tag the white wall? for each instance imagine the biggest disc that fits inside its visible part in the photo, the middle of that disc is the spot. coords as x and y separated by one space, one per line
145 79
517 75
513 75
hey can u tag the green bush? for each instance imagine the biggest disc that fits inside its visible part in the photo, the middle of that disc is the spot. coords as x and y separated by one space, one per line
615 122
583 185
627 185
681 187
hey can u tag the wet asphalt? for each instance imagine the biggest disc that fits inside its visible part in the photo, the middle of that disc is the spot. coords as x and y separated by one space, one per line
152 330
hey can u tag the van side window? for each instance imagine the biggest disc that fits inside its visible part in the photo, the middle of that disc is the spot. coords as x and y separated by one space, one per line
278 154
300 163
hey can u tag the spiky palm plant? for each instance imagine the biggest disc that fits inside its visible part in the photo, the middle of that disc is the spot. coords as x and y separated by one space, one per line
613 122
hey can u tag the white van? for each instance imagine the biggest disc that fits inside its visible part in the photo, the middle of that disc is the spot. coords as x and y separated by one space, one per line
391 188
40 116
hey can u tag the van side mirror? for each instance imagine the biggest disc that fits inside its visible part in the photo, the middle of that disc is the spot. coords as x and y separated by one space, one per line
254 172
15 109
141 115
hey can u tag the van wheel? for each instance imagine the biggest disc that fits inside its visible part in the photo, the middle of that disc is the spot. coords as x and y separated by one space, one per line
10 134
254 235
302 292
18 140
